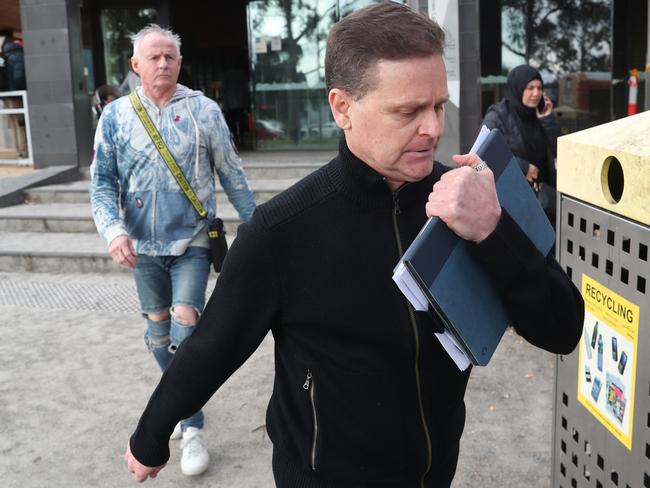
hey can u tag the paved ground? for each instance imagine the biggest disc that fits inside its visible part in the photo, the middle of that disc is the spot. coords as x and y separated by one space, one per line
14 170
74 376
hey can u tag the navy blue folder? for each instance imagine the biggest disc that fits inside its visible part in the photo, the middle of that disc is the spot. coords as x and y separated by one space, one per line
454 282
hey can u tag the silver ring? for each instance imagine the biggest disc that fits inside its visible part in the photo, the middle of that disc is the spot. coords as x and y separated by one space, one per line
480 166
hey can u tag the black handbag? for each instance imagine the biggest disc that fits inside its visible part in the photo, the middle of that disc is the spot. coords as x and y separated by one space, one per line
546 196
218 243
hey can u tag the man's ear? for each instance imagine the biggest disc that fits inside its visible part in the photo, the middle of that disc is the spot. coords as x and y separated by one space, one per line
340 104
134 64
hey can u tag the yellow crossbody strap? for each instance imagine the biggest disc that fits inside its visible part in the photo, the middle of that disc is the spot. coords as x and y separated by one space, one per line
166 155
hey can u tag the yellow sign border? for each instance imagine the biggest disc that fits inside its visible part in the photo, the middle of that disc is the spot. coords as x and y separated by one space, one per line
599 309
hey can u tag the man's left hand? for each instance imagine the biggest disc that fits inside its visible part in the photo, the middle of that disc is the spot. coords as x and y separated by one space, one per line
466 199
139 471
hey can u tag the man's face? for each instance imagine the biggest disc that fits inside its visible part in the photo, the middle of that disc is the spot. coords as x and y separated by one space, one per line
396 127
158 62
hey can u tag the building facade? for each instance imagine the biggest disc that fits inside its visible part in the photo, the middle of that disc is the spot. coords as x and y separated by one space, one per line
262 60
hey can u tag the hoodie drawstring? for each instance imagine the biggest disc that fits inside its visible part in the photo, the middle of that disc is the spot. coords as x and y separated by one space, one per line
196 137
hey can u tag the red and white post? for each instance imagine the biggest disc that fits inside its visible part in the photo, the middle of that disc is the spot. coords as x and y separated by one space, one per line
633 91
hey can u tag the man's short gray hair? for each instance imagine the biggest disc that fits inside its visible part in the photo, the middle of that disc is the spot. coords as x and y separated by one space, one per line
154 29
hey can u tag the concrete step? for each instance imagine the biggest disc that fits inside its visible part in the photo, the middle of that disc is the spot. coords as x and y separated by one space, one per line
53 230
74 217
57 252
278 168
77 192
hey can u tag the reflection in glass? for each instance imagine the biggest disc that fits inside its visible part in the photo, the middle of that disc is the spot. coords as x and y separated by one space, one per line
557 36
570 43
287 55
118 25
287 49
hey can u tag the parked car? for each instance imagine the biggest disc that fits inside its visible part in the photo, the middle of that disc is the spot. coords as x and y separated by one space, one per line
268 129
329 129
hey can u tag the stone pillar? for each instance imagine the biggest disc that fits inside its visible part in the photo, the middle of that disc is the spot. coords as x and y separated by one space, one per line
470 72
59 105
462 123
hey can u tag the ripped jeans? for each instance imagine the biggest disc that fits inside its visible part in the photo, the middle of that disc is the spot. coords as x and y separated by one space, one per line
165 282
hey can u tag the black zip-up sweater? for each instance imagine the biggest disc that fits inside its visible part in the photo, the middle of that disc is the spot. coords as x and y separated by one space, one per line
364 394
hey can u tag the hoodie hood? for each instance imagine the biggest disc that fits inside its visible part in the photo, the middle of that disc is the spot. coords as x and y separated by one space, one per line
184 92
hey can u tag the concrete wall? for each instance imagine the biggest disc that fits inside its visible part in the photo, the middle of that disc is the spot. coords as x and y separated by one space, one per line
59 106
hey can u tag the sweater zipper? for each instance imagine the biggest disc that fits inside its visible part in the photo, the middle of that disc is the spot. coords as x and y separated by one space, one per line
310 386
416 336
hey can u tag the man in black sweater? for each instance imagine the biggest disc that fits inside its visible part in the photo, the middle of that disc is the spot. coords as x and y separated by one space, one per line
364 394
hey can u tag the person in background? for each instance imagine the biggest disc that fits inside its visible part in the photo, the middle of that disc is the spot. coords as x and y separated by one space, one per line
14 56
364 394
103 95
15 79
145 217
525 117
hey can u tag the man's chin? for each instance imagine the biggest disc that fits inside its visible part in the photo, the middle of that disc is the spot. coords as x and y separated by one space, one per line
417 173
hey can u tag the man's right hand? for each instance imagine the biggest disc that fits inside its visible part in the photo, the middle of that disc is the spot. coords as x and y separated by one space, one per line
122 252
139 471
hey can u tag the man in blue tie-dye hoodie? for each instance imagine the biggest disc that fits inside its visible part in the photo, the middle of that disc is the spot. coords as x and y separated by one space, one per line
144 216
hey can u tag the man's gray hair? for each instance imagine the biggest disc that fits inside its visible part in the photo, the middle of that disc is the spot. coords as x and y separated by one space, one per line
154 29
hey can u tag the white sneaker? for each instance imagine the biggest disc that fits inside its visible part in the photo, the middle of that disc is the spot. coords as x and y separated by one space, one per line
178 432
195 456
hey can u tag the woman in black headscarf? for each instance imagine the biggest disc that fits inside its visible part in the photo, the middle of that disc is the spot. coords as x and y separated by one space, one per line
525 116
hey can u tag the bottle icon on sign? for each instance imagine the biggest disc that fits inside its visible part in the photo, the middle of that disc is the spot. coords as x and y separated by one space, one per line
614 350
594 336
600 352
586 341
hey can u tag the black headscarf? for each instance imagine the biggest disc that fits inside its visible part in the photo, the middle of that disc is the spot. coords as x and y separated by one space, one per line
518 78
532 132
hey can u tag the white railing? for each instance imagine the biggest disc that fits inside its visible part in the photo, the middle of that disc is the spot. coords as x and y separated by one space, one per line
21 159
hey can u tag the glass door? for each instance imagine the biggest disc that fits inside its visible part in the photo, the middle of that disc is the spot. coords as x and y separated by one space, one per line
118 25
287 51
287 54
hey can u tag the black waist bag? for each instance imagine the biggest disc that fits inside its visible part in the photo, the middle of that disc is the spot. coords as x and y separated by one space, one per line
218 243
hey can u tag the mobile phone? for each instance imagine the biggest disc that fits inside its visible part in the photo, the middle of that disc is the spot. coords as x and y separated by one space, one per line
595 389
622 362
614 349
587 374
542 104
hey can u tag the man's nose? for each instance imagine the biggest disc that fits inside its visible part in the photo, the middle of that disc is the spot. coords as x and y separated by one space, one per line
431 124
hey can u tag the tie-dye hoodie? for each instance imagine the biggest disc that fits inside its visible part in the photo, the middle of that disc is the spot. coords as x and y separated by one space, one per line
132 191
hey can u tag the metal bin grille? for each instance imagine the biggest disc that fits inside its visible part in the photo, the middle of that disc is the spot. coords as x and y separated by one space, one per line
614 252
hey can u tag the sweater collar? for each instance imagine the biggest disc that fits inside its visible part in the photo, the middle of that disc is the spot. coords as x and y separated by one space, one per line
368 188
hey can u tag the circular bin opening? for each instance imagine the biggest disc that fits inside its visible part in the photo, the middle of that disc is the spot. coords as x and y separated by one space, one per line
612 180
